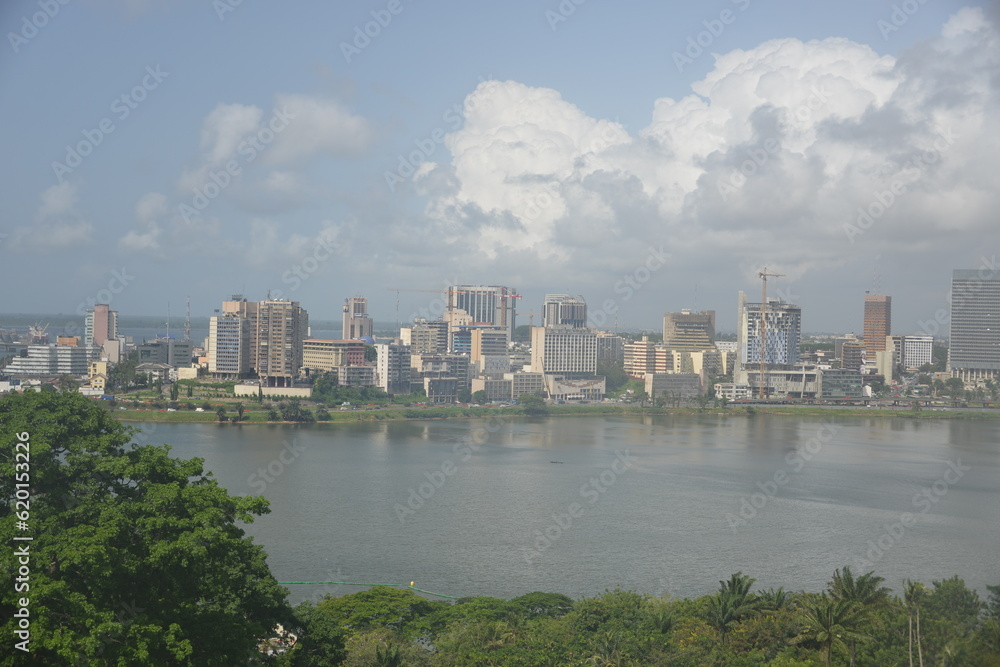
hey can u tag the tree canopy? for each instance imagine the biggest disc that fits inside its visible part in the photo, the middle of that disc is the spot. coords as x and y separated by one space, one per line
137 558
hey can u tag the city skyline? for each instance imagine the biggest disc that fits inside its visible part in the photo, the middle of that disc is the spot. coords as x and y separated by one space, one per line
171 156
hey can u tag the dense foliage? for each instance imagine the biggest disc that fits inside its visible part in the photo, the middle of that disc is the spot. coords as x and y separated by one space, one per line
136 557
855 621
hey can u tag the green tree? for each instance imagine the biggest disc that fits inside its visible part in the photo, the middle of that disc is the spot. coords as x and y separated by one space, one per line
190 390
866 591
532 405
464 396
914 594
138 558
221 413
830 623
371 354
733 602
240 409
479 397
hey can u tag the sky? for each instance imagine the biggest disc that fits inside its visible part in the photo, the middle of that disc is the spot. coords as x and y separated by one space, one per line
649 156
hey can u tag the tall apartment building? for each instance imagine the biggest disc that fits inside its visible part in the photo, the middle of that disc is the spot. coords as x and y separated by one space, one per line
564 350
393 368
229 346
101 325
878 322
281 327
783 333
356 322
689 332
426 336
781 346
610 348
488 343
974 343
487 304
564 310
917 351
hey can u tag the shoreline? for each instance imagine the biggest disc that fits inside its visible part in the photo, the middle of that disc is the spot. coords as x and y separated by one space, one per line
450 413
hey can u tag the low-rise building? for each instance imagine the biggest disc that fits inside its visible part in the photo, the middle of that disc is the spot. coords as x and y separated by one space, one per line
496 390
441 389
841 383
523 382
732 391
563 388
356 376
677 385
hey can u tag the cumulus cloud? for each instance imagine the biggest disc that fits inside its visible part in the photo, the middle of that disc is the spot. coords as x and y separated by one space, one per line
792 154
149 211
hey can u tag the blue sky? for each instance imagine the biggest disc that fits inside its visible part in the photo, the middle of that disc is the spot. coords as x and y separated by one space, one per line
553 147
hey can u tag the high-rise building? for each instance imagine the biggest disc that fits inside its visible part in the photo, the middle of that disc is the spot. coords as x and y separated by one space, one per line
101 325
426 336
488 342
974 343
564 350
564 310
783 331
878 321
357 323
229 346
281 327
487 304
610 348
917 351
393 368
689 332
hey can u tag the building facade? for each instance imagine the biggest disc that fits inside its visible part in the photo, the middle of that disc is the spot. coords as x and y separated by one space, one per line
878 321
564 310
101 324
229 346
393 366
689 332
564 350
356 322
974 342
487 304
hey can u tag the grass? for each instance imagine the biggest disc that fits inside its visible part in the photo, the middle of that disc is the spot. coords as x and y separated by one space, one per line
255 415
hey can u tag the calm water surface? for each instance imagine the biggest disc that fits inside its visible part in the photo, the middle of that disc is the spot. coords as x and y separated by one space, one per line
699 499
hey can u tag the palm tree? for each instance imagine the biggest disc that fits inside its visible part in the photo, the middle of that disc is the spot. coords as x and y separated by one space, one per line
773 600
914 593
730 604
221 413
865 590
830 623
239 412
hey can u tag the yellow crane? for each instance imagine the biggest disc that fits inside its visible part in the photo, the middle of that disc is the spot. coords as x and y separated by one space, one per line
764 275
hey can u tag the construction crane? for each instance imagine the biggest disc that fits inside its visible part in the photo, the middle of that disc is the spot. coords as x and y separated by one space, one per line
764 275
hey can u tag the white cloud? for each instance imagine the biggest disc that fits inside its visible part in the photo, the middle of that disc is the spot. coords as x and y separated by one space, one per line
317 126
779 149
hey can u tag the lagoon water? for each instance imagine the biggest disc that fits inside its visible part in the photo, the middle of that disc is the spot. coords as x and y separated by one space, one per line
699 499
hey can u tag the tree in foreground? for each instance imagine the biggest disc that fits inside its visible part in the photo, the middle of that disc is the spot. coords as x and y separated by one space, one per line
831 623
136 557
